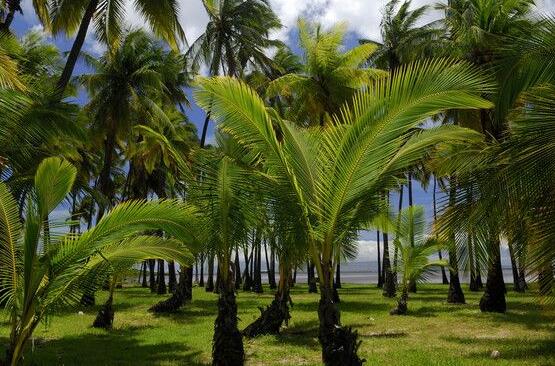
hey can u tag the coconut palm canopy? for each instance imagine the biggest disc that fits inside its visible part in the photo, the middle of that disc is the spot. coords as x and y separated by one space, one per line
107 188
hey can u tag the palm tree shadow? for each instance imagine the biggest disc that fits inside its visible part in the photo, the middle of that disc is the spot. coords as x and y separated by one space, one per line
110 348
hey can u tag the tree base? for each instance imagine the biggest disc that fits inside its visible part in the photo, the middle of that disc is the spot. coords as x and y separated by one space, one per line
105 317
270 320
490 303
170 305
227 345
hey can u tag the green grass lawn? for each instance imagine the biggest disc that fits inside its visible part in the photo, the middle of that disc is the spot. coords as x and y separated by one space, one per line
433 334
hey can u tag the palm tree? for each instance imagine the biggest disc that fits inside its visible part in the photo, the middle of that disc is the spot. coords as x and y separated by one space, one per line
237 35
329 77
415 249
70 16
331 176
8 8
129 85
403 40
222 193
478 30
38 277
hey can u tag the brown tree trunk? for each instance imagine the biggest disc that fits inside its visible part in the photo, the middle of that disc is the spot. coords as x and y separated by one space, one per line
210 282
172 279
227 344
76 48
380 277
493 300
339 344
178 298
161 288
151 275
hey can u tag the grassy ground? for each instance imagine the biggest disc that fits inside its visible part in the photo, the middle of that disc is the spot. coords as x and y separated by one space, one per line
433 334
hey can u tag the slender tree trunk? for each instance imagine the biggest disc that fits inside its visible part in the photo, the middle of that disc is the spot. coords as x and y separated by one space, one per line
210 282
217 284
237 269
380 277
473 286
389 288
339 344
77 46
145 282
247 283
161 288
444 279
152 277
412 283
189 282
172 279
270 279
514 268
294 282
227 344
522 276
493 299
196 269
311 278
455 294
201 280
337 283
272 270
258 265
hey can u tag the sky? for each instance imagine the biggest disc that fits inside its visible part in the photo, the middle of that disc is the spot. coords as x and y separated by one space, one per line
361 16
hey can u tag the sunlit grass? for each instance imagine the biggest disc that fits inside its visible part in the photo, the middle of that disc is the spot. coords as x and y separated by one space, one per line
434 333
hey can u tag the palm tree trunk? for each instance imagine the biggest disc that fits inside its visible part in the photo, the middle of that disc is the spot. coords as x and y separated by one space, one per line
522 276
247 282
402 308
227 344
444 279
514 268
13 7
172 278
380 277
272 318
412 283
161 288
268 267
201 280
258 265
237 269
337 283
144 282
473 286
105 316
339 344
389 288
311 278
455 294
493 300
178 298
151 275
272 270
210 282
76 48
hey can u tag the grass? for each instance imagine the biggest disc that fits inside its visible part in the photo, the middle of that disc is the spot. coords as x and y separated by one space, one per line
434 333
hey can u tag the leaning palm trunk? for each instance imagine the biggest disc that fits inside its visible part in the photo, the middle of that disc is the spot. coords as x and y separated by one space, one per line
401 308
272 318
178 298
227 344
339 344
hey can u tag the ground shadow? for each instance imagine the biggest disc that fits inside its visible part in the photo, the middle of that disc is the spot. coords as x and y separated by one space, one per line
118 347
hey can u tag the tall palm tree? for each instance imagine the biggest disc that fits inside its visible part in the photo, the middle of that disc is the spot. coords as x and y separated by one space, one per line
403 39
39 277
478 31
129 85
329 78
237 35
75 16
333 175
415 249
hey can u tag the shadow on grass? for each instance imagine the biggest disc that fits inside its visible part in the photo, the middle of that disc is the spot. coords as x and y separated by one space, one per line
509 348
117 347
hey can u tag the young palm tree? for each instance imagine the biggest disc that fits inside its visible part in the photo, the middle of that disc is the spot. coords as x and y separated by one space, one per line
329 78
70 16
222 192
332 175
42 271
415 248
